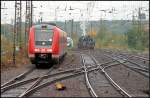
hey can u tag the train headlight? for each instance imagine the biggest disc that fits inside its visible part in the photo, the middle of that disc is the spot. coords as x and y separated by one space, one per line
49 50
36 50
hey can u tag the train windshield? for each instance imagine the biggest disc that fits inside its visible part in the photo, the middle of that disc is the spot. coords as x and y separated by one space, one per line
43 38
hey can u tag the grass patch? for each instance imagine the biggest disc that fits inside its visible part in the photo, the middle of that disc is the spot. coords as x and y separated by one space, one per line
7 54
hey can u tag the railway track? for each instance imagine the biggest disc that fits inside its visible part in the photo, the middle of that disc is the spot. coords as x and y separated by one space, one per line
47 78
126 58
146 58
67 74
128 70
142 69
102 69
18 78
35 81
91 90
26 77
142 58
127 55
118 88
13 83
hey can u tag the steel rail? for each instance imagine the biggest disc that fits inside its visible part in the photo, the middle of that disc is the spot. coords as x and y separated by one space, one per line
110 65
116 85
134 68
45 76
111 80
130 55
122 59
58 79
17 78
144 58
36 82
55 80
127 59
122 62
144 73
35 78
87 79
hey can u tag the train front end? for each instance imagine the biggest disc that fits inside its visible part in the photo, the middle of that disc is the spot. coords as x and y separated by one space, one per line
40 44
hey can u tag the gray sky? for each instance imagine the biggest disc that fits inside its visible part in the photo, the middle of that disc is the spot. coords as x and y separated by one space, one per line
123 9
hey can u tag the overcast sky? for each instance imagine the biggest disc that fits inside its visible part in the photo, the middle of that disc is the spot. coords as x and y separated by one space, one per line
123 10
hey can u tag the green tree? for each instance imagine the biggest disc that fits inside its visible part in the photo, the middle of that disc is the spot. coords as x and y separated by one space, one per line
132 37
138 38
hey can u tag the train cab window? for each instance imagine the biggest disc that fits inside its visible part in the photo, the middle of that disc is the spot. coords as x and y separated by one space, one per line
44 27
43 37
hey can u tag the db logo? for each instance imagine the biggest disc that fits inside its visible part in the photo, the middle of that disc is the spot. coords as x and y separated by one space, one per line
42 50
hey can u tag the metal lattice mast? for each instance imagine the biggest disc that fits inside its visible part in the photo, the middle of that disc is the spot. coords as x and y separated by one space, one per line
31 14
17 30
14 39
139 21
133 18
28 20
18 23
71 28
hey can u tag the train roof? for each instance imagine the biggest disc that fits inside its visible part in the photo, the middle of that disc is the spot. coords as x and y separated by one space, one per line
49 25
53 24
44 25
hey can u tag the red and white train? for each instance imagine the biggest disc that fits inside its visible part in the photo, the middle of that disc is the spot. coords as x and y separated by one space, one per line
47 44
